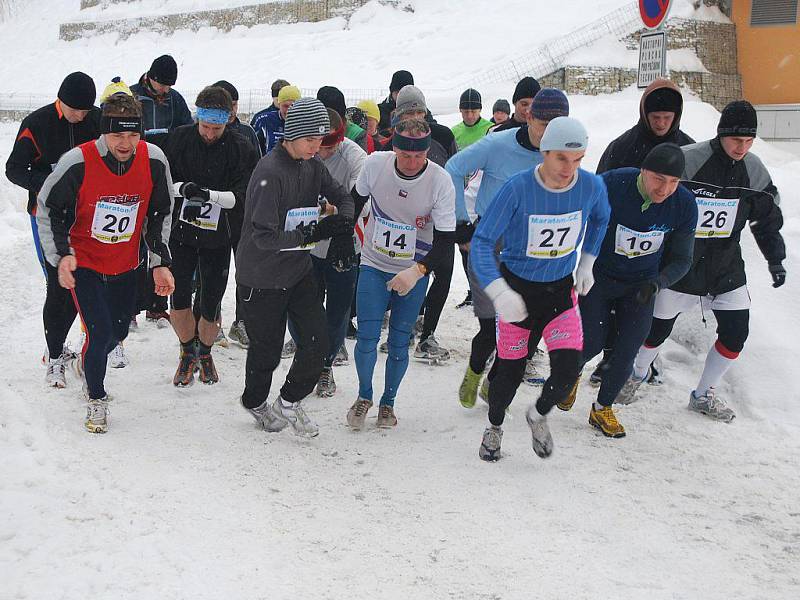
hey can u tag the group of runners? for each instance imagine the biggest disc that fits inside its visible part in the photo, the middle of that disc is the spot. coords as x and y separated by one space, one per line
334 213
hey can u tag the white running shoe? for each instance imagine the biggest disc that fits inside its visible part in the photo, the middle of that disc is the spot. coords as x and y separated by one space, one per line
117 358
541 439
708 404
56 376
296 417
266 417
97 416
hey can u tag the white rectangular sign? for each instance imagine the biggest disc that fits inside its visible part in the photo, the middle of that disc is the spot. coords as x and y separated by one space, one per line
652 57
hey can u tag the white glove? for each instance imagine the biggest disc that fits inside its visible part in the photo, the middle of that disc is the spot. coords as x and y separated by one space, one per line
405 280
584 277
508 303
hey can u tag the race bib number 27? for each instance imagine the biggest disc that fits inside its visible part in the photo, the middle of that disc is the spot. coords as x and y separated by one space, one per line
114 223
553 236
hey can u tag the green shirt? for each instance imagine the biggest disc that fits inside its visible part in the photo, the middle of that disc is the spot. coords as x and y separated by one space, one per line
353 131
466 135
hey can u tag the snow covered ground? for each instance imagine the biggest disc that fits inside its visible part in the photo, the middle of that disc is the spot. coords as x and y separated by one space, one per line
184 498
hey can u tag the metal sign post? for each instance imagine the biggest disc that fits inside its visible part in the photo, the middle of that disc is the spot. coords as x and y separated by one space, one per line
653 44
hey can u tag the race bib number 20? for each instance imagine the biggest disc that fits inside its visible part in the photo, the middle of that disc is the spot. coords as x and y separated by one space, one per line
114 223
553 236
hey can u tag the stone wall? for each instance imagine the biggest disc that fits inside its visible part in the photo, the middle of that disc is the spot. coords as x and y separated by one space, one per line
715 88
288 11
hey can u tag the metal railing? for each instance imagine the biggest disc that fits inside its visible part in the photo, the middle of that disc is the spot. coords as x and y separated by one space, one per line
550 56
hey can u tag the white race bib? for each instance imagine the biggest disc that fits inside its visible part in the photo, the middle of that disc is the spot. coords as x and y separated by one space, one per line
397 241
114 223
209 216
553 236
298 217
633 243
715 217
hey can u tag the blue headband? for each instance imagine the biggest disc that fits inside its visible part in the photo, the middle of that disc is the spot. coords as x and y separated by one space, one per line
410 144
215 116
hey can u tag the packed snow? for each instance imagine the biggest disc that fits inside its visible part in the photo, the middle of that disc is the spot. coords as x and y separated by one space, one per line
184 498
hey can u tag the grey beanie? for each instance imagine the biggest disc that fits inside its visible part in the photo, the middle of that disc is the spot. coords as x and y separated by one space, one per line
307 117
502 106
566 134
410 98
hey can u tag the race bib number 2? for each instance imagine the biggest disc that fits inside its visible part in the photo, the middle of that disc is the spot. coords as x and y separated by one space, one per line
394 240
553 236
632 243
715 217
300 217
208 218
114 223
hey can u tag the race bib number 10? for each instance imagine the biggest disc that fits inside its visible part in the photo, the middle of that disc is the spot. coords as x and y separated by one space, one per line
299 217
114 223
394 240
715 217
553 236
633 243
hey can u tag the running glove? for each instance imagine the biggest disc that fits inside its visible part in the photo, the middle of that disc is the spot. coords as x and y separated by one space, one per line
342 253
191 190
405 280
647 289
326 228
508 303
778 275
192 207
584 276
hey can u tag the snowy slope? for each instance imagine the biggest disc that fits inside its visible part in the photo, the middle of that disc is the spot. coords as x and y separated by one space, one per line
183 498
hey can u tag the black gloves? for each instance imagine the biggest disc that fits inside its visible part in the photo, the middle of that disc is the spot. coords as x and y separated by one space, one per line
778 275
647 289
326 228
464 233
192 209
342 252
191 190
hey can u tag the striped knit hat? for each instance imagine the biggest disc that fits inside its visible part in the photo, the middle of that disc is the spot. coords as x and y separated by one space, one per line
306 118
548 104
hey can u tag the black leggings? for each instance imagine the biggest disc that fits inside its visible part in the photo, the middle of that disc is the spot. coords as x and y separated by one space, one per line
58 314
733 327
212 264
438 292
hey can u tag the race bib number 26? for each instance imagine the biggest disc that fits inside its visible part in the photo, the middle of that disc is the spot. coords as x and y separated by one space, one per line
114 223
553 236
715 217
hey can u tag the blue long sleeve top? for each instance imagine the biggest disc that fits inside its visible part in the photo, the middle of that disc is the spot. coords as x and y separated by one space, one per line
655 243
499 155
541 228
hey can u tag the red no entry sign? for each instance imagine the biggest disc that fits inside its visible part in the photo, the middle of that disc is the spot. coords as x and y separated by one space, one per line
654 12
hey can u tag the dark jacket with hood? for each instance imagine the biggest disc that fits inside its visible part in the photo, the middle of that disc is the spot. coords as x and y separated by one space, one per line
729 193
160 114
224 166
630 149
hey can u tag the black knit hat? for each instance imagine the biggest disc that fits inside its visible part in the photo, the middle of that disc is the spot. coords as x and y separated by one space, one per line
228 87
502 106
164 70
527 87
666 159
77 91
663 99
400 79
739 119
470 99
333 98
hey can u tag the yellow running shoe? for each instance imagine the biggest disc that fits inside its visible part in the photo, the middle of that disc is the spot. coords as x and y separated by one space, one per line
567 403
605 420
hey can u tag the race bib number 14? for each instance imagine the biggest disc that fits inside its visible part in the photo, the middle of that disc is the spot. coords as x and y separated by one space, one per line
553 236
394 240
